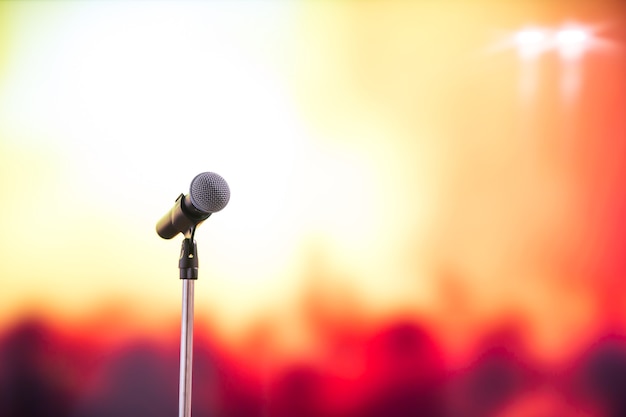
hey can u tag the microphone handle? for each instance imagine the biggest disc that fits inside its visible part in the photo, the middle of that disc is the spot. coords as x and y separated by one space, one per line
181 218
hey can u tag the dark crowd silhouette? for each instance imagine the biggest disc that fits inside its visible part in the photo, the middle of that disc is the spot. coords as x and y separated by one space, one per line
399 370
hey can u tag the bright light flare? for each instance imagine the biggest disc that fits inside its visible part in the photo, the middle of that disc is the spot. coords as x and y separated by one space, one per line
572 37
531 42
572 42
530 37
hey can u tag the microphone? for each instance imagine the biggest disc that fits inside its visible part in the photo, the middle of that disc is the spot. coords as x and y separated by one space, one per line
208 193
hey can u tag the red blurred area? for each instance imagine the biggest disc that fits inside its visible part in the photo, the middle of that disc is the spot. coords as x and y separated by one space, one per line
398 369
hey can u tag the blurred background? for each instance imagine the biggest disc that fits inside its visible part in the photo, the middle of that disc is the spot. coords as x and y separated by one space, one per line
427 207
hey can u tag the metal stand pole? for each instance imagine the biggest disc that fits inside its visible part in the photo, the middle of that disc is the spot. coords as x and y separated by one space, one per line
186 350
188 265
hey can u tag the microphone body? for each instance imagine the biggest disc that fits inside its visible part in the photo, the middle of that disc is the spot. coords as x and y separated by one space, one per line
208 193
182 217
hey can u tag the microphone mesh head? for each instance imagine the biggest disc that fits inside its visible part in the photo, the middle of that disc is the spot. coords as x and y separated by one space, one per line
209 192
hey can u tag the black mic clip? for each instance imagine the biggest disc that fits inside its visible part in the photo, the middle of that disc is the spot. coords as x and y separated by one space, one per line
188 262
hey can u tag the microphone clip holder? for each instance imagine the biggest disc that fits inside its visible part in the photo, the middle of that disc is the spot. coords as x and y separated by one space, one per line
188 262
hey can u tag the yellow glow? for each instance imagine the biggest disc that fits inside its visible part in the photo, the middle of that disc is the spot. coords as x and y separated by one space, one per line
106 120
127 113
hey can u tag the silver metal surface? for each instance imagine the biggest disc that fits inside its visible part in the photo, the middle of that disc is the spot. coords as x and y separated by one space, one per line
186 350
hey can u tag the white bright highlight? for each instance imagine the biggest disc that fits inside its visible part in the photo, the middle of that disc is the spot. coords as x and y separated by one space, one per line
531 42
572 36
572 43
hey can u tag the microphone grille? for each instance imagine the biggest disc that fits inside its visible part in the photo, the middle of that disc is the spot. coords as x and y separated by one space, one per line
209 192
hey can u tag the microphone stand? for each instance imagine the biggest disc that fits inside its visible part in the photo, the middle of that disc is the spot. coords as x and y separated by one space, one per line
188 265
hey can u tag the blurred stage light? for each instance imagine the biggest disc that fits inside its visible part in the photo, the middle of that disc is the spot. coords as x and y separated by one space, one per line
569 42
572 42
531 42
568 37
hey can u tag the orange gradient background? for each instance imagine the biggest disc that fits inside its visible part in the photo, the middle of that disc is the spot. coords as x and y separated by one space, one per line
389 162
